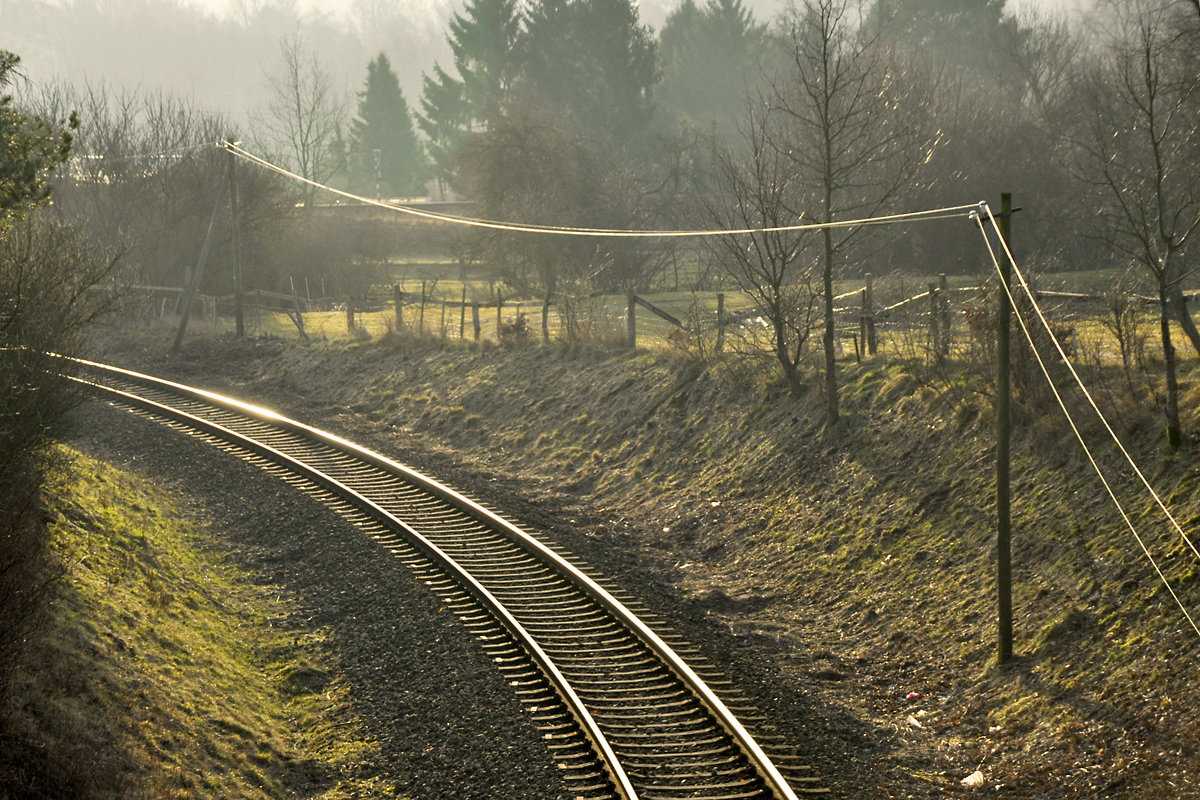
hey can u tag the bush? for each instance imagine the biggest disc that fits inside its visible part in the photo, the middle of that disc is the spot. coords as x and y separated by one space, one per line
53 283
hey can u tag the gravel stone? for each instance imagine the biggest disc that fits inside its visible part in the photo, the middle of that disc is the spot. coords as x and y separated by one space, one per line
446 723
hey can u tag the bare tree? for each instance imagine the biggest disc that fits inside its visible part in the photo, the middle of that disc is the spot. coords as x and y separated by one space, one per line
527 168
855 143
305 114
1140 154
759 189
1044 50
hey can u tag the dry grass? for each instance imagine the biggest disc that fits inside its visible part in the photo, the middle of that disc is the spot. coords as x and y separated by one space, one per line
868 547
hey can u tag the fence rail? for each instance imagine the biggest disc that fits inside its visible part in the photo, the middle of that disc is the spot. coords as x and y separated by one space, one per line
495 318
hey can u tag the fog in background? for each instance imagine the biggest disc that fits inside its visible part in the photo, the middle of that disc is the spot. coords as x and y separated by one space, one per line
216 53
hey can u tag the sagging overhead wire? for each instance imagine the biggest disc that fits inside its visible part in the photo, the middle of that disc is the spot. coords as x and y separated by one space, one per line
978 218
915 216
1091 401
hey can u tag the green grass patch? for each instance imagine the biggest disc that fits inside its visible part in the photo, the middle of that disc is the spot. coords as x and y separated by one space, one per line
158 673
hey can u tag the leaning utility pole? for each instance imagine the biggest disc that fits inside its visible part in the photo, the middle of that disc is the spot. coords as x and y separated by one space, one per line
185 299
1003 437
239 315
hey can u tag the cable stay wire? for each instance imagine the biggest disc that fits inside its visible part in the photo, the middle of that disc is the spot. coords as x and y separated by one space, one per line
1071 421
515 227
1088 395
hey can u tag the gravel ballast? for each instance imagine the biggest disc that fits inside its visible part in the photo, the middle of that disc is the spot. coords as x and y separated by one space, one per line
445 722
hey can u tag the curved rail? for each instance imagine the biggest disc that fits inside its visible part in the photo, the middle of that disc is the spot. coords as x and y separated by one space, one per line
769 775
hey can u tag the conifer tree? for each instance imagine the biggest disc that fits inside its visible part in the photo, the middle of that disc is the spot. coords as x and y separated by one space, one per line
710 59
962 34
384 125
482 39
593 60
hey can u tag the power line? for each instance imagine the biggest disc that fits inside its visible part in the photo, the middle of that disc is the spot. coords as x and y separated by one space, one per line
916 216
1067 414
1096 408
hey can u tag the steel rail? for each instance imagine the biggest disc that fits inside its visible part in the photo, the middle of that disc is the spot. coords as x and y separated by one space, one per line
761 763
566 692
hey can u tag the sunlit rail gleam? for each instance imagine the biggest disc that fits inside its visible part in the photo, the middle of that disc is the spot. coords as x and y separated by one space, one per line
651 726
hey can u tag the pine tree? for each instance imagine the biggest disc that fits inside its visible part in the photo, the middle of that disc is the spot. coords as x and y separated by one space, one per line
482 39
384 126
30 149
593 60
710 59
963 34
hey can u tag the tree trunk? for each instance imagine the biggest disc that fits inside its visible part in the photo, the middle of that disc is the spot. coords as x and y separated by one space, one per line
831 383
1180 308
1174 435
790 373
546 313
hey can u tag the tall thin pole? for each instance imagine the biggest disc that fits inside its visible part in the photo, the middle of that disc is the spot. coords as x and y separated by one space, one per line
1003 438
239 314
185 301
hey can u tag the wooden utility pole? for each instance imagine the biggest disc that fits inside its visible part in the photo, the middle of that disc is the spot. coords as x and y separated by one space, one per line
1003 437
239 313
185 300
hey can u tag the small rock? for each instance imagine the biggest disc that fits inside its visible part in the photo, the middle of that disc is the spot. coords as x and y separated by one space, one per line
974 780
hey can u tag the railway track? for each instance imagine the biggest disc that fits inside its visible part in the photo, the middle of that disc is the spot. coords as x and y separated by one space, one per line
625 712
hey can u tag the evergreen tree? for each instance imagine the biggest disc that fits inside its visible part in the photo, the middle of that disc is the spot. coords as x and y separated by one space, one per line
710 58
30 148
963 34
384 125
482 39
596 62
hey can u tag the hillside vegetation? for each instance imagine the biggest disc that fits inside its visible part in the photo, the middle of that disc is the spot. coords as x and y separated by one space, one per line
861 557
161 671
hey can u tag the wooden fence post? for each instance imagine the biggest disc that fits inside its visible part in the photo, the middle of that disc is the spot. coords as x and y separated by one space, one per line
869 314
720 321
421 324
945 312
475 318
935 339
939 330
631 322
462 315
398 302
862 319
443 324
499 314
350 314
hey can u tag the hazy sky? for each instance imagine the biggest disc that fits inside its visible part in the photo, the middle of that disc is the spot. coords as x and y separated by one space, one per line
652 11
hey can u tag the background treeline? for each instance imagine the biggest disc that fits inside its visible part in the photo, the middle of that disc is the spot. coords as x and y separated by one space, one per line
576 113
573 113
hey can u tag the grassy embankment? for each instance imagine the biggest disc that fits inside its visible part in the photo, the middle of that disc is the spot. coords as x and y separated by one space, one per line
867 550
159 673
